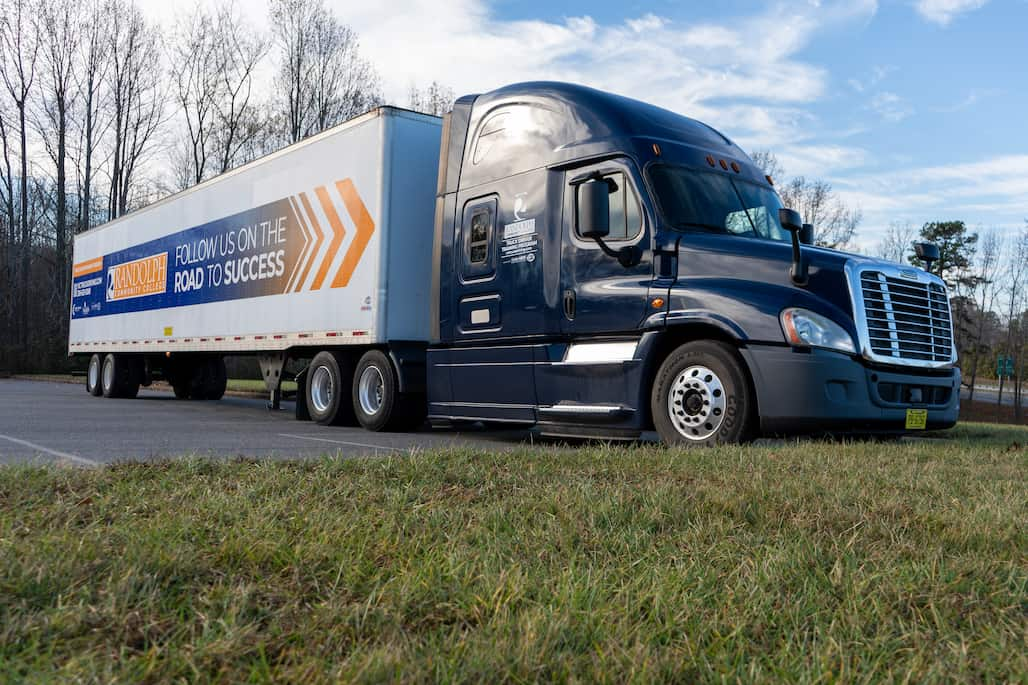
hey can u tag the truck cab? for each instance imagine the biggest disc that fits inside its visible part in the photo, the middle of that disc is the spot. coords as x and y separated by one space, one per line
606 268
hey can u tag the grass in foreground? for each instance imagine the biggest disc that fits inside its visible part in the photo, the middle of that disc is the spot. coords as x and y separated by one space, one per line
809 561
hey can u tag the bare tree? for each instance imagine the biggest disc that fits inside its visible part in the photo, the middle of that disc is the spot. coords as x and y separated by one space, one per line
18 54
94 62
9 228
1016 276
135 95
57 28
984 297
834 222
196 66
435 99
766 160
239 122
895 245
321 75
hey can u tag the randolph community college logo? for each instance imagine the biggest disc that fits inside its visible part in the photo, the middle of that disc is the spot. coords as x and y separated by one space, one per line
146 276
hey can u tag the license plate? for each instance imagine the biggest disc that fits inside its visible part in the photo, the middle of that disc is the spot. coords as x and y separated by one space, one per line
917 419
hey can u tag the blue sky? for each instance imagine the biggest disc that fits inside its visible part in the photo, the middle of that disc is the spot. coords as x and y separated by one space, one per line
915 110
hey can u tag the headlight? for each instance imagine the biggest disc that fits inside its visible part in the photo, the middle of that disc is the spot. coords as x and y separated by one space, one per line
805 328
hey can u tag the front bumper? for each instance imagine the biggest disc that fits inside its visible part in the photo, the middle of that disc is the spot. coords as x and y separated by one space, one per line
815 391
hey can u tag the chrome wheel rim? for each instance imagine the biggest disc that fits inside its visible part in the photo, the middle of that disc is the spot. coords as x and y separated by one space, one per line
322 389
108 374
94 372
370 389
696 403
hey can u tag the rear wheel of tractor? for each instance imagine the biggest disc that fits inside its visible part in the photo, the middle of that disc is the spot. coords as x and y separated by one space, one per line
377 400
701 396
328 378
93 376
118 376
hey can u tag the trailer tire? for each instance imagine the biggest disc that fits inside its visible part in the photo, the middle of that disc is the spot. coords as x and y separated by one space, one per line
93 376
377 400
328 378
215 378
702 397
119 376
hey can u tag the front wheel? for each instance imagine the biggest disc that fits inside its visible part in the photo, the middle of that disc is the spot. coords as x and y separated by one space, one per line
701 396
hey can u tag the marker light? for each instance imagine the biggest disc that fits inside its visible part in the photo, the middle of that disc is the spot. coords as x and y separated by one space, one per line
804 328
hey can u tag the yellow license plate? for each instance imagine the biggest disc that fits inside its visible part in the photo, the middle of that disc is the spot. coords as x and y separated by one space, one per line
917 419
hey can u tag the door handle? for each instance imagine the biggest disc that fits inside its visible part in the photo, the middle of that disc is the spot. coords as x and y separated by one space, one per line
569 304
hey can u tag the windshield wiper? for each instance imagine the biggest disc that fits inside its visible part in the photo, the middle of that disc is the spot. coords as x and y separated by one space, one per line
696 224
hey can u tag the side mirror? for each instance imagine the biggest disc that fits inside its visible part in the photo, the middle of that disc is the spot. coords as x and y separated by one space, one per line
594 209
793 223
807 234
927 253
790 220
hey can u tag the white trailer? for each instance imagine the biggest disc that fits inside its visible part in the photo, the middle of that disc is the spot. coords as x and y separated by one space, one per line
293 250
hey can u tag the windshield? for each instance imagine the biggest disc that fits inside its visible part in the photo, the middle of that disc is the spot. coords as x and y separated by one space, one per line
692 199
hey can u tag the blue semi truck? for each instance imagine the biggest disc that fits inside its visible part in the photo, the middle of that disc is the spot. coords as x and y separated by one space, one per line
596 267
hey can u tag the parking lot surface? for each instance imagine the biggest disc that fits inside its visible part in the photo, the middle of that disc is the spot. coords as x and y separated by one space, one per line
59 422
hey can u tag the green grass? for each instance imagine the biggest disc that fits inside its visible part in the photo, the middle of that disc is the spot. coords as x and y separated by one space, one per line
804 562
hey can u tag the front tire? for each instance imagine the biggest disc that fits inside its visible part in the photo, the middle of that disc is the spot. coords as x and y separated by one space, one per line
328 379
93 376
701 396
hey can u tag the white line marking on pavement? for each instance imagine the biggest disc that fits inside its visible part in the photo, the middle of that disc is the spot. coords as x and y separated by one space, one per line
54 453
342 442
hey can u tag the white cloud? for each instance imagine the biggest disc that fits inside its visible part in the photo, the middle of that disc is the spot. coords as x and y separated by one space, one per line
890 106
743 75
993 189
942 12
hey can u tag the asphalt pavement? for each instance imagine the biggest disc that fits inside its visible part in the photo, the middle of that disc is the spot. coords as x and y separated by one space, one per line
990 394
44 422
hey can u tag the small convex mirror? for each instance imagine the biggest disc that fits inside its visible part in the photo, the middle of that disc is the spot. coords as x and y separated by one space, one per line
927 253
594 209
807 234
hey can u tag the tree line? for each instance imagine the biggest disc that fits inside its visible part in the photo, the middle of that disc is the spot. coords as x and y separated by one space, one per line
102 112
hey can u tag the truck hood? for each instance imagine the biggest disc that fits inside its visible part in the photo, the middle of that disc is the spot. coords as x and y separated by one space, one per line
746 282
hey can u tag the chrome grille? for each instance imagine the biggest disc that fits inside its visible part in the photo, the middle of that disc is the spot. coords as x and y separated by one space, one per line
907 320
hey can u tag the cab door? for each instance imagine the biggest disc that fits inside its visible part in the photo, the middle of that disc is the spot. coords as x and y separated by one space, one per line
598 294
498 302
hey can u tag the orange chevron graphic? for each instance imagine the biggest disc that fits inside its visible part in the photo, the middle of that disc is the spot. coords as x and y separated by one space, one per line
338 232
319 238
304 252
365 228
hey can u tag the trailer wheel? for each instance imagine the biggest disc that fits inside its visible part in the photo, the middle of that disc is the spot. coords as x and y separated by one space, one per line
93 376
215 378
377 400
119 377
701 396
328 378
